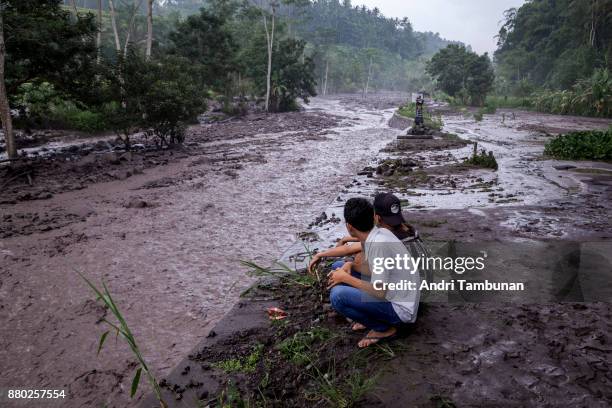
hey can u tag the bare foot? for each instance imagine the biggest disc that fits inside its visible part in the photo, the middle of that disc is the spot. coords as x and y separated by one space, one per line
374 337
358 327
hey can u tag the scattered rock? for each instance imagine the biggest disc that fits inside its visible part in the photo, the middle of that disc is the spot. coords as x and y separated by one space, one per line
137 203
111 157
564 167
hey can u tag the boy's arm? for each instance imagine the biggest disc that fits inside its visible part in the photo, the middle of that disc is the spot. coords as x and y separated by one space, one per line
336 252
340 276
346 240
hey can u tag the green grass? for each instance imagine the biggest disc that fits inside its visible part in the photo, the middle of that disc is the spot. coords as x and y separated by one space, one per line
244 365
297 348
230 397
280 271
341 392
585 145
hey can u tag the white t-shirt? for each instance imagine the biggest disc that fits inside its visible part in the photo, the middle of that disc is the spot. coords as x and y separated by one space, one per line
382 244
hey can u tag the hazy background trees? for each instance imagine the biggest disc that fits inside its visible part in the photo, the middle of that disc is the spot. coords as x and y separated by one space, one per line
67 62
557 56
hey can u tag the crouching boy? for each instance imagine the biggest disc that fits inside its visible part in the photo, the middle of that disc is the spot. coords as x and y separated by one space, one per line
389 296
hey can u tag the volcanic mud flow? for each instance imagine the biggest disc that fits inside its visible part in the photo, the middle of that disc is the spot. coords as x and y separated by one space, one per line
548 346
165 230
529 196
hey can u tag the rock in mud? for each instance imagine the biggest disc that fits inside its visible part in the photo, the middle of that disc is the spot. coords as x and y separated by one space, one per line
111 158
137 203
564 167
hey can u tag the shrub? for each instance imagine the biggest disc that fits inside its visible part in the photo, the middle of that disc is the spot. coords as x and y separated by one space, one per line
41 106
69 116
587 145
484 159
489 109
159 96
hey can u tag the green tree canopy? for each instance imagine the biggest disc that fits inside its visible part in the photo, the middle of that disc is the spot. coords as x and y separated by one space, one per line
205 40
45 43
462 73
555 43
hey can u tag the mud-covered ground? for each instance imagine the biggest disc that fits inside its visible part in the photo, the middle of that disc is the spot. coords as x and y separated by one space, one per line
455 355
166 231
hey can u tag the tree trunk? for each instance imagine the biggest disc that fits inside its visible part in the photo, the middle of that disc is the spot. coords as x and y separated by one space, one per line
149 29
5 109
368 80
130 28
326 75
593 24
99 36
114 24
74 7
270 41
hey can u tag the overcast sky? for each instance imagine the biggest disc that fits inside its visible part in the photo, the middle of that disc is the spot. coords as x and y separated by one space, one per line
474 22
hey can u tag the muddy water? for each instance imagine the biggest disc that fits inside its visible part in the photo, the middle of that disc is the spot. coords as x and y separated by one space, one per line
172 266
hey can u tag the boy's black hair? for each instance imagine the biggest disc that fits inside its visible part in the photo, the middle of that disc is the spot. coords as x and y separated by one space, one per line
360 214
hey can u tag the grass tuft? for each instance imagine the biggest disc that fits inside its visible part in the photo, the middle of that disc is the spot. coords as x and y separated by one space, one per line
122 330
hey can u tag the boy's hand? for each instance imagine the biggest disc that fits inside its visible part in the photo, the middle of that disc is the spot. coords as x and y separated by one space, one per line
342 241
336 277
315 260
347 266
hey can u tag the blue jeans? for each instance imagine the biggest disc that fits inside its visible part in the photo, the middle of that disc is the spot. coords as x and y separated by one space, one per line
375 314
338 265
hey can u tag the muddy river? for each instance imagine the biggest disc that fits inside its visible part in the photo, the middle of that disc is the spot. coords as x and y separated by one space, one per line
172 266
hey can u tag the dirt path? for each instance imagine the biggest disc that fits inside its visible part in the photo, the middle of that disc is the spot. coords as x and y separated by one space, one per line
165 231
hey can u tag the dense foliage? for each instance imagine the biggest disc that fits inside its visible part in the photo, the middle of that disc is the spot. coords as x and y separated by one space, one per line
45 44
357 49
557 56
334 22
292 73
462 73
352 47
159 96
555 43
205 40
587 145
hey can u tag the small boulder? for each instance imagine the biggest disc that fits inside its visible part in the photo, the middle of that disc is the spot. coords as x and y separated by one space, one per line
111 158
137 203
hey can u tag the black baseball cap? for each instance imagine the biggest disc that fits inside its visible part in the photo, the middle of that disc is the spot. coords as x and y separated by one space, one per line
389 208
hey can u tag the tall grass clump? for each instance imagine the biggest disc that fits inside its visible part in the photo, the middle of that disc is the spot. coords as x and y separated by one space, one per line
280 271
586 145
122 329
588 97
509 102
